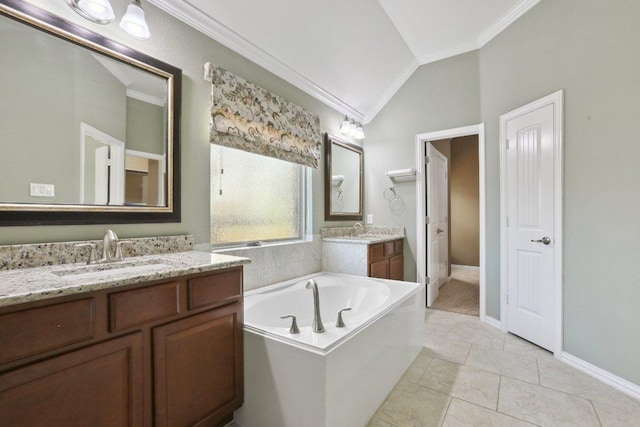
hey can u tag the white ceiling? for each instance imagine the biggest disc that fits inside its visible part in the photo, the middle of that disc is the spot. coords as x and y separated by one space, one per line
353 55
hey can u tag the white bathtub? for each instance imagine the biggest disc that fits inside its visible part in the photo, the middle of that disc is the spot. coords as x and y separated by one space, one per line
336 378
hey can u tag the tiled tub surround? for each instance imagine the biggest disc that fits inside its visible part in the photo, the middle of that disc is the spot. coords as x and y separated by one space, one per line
275 263
38 283
344 253
42 254
339 377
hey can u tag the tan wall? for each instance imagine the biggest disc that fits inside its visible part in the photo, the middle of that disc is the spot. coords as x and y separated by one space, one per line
464 202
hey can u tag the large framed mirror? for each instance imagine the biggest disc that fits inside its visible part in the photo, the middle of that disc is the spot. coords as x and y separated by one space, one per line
344 184
90 128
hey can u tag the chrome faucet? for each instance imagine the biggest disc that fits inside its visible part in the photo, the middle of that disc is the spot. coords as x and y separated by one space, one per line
318 327
110 249
355 227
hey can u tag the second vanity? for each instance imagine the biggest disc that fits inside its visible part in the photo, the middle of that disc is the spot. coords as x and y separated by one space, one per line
372 251
130 345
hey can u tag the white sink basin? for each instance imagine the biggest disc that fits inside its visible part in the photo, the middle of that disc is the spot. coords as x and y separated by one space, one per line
97 271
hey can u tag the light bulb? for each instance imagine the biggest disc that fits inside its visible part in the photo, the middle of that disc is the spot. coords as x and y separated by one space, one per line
359 132
345 127
352 129
133 22
99 11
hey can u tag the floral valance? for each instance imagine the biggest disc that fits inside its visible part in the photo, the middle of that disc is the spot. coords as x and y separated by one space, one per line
250 118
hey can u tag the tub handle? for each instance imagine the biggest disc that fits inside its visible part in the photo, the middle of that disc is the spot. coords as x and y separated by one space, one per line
294 324
340 322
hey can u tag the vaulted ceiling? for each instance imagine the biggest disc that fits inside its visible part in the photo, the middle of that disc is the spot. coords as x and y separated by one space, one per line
352 55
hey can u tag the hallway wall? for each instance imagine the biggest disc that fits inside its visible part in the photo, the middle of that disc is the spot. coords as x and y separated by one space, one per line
464 201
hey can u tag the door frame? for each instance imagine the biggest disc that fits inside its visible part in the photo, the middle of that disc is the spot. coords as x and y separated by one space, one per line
557 100
116 174
421 207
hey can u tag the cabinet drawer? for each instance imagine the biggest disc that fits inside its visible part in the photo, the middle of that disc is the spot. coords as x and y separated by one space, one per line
41 329
397 246
139 306
389 249
216 288
376 252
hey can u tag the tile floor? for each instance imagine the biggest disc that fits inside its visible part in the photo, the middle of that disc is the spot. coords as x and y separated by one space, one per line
471 374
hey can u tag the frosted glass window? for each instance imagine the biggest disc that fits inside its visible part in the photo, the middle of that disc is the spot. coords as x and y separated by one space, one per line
254 197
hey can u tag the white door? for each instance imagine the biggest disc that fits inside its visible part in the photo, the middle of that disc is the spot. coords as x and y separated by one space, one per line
531 296
438 213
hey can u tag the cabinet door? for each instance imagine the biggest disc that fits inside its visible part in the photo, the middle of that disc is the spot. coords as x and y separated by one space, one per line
100 386
379 269
396 267
198 368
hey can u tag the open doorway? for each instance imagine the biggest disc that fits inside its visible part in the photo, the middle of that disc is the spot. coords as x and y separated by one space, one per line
465 219
461 291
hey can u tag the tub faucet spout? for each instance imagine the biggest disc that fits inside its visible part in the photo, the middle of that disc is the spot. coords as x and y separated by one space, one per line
318 327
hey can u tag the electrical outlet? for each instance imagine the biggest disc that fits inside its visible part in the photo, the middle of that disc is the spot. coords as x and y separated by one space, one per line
369 218
42 190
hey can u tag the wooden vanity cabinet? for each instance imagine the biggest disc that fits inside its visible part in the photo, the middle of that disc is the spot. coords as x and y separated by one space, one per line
163 353
99 385
385 260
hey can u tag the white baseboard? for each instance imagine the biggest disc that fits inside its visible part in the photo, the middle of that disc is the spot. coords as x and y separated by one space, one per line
627 387
492 322
465 267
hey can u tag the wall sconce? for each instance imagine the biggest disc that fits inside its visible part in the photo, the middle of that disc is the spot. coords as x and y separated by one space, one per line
350 128
101 12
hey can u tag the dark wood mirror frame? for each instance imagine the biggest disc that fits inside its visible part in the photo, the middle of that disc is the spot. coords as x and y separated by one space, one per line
43 214
330 215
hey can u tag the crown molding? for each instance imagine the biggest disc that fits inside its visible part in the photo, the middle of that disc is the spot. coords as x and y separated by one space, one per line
199 20
184 11
501 24
145 97
448 53
391 90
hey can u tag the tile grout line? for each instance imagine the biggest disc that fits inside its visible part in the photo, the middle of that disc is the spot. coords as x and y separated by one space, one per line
596 412
509 415
499 387
444 416
538 370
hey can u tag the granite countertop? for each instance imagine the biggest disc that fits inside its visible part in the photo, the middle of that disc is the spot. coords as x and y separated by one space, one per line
33 284
364 239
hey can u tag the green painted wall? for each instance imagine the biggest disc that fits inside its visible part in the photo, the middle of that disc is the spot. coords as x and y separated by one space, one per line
45 104
589 49
145 124
180 45
442 95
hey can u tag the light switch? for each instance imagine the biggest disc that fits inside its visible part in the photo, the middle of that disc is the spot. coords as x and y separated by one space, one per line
42 190
369 218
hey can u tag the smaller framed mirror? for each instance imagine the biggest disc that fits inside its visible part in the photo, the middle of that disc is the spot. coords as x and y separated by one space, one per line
344 183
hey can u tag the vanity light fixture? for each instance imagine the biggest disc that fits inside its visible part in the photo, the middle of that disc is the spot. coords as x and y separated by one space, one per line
351 128
133 21
100 11
344 128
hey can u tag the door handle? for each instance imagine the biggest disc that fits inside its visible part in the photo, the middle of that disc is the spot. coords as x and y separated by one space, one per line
545 240
440 230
